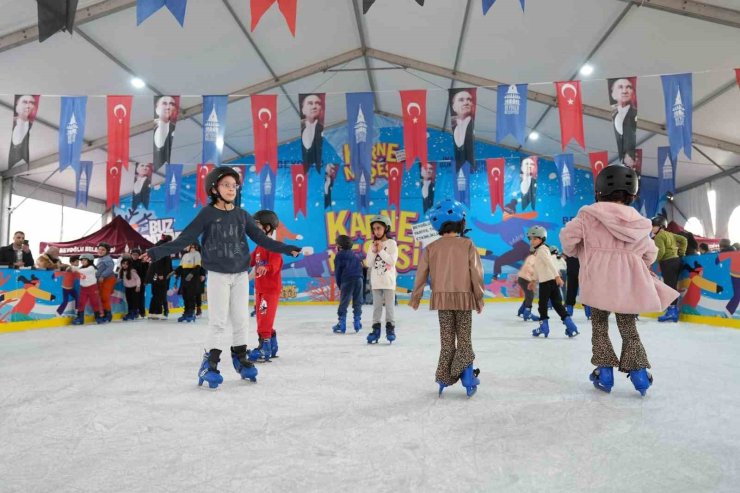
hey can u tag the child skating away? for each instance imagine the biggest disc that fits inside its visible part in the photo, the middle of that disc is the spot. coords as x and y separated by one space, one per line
671 247
456 271
106 278
549 284
88 290
69 283
382 254
524 278
612 243
132 285
190 273
223 228
268 285
348 274
562 269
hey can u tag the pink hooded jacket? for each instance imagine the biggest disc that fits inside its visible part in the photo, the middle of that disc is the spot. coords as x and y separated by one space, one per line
613 245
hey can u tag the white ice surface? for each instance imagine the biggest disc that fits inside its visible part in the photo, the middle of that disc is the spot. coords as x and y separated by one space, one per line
116 408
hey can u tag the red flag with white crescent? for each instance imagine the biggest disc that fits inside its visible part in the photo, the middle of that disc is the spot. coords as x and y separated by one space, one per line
395 180
599 160
119 125
737 76
495 168
288 8
300 187
201 197
638 161
113 184
571 112
264 126
414 105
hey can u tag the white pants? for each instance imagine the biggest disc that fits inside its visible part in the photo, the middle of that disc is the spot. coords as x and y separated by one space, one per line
228 304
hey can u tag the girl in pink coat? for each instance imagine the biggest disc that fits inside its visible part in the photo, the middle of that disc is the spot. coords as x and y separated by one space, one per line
612 242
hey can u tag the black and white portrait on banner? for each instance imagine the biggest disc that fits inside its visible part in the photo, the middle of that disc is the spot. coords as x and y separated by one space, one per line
166 109
142 185
312 128
330 174
428 173
623 100
24 114
462 112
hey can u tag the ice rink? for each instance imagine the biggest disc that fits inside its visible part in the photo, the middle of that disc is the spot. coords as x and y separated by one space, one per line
117 408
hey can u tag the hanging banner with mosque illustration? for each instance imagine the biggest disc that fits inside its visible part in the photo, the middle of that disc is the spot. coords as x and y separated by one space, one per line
214 128
173 182
566 173
71 130
678 98
360 132
511 113
267 189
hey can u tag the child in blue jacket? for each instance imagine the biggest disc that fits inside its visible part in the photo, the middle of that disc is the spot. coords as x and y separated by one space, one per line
348 273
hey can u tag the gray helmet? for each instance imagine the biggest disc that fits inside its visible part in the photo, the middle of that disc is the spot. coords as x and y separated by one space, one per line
87 256
537 232
380 218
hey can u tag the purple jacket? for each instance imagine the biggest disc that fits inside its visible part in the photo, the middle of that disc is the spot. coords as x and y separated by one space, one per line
612 242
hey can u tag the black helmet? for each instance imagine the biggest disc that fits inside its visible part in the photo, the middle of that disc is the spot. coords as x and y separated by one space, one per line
344 242
267 217
104 245
214 176
660 221
136 250
617 177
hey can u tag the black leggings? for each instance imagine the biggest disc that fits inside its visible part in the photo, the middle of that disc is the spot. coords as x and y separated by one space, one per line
574 266
671 268
549 291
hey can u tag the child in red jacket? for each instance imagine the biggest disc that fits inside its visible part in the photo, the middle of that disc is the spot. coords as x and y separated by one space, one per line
268 285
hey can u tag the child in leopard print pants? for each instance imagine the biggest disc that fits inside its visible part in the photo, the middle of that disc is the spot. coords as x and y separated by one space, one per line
455 267
613 245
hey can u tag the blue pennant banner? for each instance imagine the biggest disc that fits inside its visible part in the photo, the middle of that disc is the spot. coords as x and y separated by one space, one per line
214 128
511 113
173 184
145 8
71 130
83 170
679 107
566 172
360 132
267 188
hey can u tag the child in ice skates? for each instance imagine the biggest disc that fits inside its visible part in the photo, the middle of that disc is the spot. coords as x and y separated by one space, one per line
190 273
454 265
348 274
526 276
549 280
382 254
132 286
106 279
268 285
612 243
69 283
671 247
88 290
224 228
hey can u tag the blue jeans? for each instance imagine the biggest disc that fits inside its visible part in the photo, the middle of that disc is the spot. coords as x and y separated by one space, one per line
351 290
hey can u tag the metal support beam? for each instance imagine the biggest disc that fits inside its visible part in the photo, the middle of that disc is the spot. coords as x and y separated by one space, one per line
198 108
716 165
693 9
363 46
593 111
456 64
83 16
53 189
708 179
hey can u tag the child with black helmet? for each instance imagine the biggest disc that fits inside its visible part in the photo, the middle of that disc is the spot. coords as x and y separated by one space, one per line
348 274
382 255
268 285
455 267
548 277
671 247
612 243
106 278
88 290
223 228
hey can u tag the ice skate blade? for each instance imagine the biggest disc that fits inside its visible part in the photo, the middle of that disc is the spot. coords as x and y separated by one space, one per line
471 391
602 388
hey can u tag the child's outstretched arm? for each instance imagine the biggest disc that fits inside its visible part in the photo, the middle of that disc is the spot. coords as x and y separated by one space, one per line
422 273
256 234
191 233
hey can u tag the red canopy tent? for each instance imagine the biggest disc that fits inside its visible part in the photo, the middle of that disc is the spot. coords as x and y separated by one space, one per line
712 243
118 234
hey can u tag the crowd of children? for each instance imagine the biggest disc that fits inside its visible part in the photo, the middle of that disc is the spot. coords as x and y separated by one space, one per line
606 237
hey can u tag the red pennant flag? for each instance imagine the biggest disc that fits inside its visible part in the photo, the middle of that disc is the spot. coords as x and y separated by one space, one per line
201 197
414 105
119 124
495 168
113 184
300 187
737 76
599 160
638 161
287 7
395 180
264 126
571 112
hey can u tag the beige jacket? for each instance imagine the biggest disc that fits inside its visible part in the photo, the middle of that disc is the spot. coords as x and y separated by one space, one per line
45 262
457 275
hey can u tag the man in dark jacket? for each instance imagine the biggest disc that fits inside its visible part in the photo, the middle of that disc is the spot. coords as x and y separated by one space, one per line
141 268
17 254
157 275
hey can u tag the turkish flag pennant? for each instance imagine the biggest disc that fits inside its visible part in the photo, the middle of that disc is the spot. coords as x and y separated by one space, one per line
287 7
638 161
113 184
119 124
599 160
414 105
495 168
300 186
395 180
737 76
571 112
201 197
264 126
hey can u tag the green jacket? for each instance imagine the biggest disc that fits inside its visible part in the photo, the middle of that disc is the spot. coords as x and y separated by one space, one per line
669 245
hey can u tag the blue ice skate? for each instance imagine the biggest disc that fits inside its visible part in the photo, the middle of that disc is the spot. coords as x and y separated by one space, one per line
274 345
372 337
641 379
442 386
670 315
603 378
390 332
187 317
79 319
263 352
469 380
570 327
527 315
543 329
357 322
569 310
587 311
242 365
341 326
520 312
209 369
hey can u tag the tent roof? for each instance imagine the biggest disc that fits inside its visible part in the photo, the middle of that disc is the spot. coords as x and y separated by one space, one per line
404 45
118 234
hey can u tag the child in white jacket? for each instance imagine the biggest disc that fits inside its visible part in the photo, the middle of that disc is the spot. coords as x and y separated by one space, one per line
382 254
